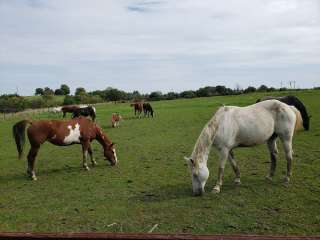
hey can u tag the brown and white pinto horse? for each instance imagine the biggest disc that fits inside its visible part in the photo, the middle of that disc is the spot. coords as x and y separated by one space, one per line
62 133
138 107
68 109
115 119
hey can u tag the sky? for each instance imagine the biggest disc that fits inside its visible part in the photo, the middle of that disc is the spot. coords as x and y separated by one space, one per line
158 45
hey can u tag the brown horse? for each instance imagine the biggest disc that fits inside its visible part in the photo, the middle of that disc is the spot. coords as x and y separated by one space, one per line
147 109
62 133
69 109
138 107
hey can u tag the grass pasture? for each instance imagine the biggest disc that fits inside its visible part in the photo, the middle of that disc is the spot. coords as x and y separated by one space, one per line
152 185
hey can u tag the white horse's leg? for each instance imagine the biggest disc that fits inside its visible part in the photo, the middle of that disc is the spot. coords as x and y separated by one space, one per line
272 146
223 159
287 144
234 167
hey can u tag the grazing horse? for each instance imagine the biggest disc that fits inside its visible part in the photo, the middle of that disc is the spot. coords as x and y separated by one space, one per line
69 109
147 109
293 101
233 127
115 119
62 133
85 111
138 107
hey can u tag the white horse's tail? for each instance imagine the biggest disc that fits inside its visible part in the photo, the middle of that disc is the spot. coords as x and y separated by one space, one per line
299 121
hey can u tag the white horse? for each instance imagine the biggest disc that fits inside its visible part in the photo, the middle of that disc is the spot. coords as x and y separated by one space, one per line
232 127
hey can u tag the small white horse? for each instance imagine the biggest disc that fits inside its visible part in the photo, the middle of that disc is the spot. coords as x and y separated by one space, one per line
232 127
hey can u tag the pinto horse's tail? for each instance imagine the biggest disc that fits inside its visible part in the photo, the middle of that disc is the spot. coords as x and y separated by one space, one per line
19 135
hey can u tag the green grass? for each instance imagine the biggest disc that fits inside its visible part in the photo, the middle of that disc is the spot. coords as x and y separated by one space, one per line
152 184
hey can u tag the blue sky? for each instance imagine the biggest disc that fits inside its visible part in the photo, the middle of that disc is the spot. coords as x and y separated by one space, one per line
158 44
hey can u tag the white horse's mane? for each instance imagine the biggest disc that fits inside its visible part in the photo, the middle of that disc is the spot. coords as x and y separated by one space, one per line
204 142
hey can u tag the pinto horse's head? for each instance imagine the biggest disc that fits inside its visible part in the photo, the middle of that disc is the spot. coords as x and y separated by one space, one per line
199 175
110 154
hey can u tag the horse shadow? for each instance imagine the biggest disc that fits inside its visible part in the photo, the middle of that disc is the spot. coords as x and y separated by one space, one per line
163 193
66 169
184 190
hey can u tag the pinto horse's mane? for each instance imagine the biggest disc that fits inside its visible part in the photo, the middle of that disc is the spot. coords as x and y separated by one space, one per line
101 136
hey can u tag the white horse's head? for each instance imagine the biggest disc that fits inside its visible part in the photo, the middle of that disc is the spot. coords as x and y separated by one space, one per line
199 175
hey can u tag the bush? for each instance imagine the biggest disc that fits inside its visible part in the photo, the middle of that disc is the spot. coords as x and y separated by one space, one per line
69 100
12 103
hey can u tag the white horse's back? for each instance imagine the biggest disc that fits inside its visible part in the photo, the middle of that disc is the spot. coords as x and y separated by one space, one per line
254 124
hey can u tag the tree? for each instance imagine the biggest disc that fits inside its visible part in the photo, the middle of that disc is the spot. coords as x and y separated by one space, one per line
65 89
80 91
39 91
263 88
221 90
59 92
113 94
155 96
250 89
136 95
171 95
206 91
48 91
188 94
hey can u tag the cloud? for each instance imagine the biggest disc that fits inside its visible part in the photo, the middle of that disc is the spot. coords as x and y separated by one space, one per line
158 45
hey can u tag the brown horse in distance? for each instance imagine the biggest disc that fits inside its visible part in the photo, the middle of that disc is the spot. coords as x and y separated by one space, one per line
147 109
138 107
62 133
69 109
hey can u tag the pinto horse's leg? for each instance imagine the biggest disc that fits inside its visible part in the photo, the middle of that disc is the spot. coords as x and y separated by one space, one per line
272 146
31 161
234 167
224 153
93 162
85 147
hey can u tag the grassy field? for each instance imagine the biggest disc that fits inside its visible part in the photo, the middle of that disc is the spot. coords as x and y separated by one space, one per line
152 185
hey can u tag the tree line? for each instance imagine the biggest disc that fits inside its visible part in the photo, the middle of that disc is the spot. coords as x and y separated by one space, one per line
15 103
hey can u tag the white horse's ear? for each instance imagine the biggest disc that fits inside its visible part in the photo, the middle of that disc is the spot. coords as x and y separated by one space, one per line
189 160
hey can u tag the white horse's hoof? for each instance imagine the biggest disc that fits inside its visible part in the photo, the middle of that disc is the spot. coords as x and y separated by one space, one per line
86 168
237 181
34 178
94 163
216 189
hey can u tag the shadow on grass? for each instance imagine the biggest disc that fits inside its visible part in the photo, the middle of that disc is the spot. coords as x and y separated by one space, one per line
164 193
22 176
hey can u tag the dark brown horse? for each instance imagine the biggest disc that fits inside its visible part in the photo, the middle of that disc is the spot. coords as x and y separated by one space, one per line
147 109
292 101
62 133
69 109
138 107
